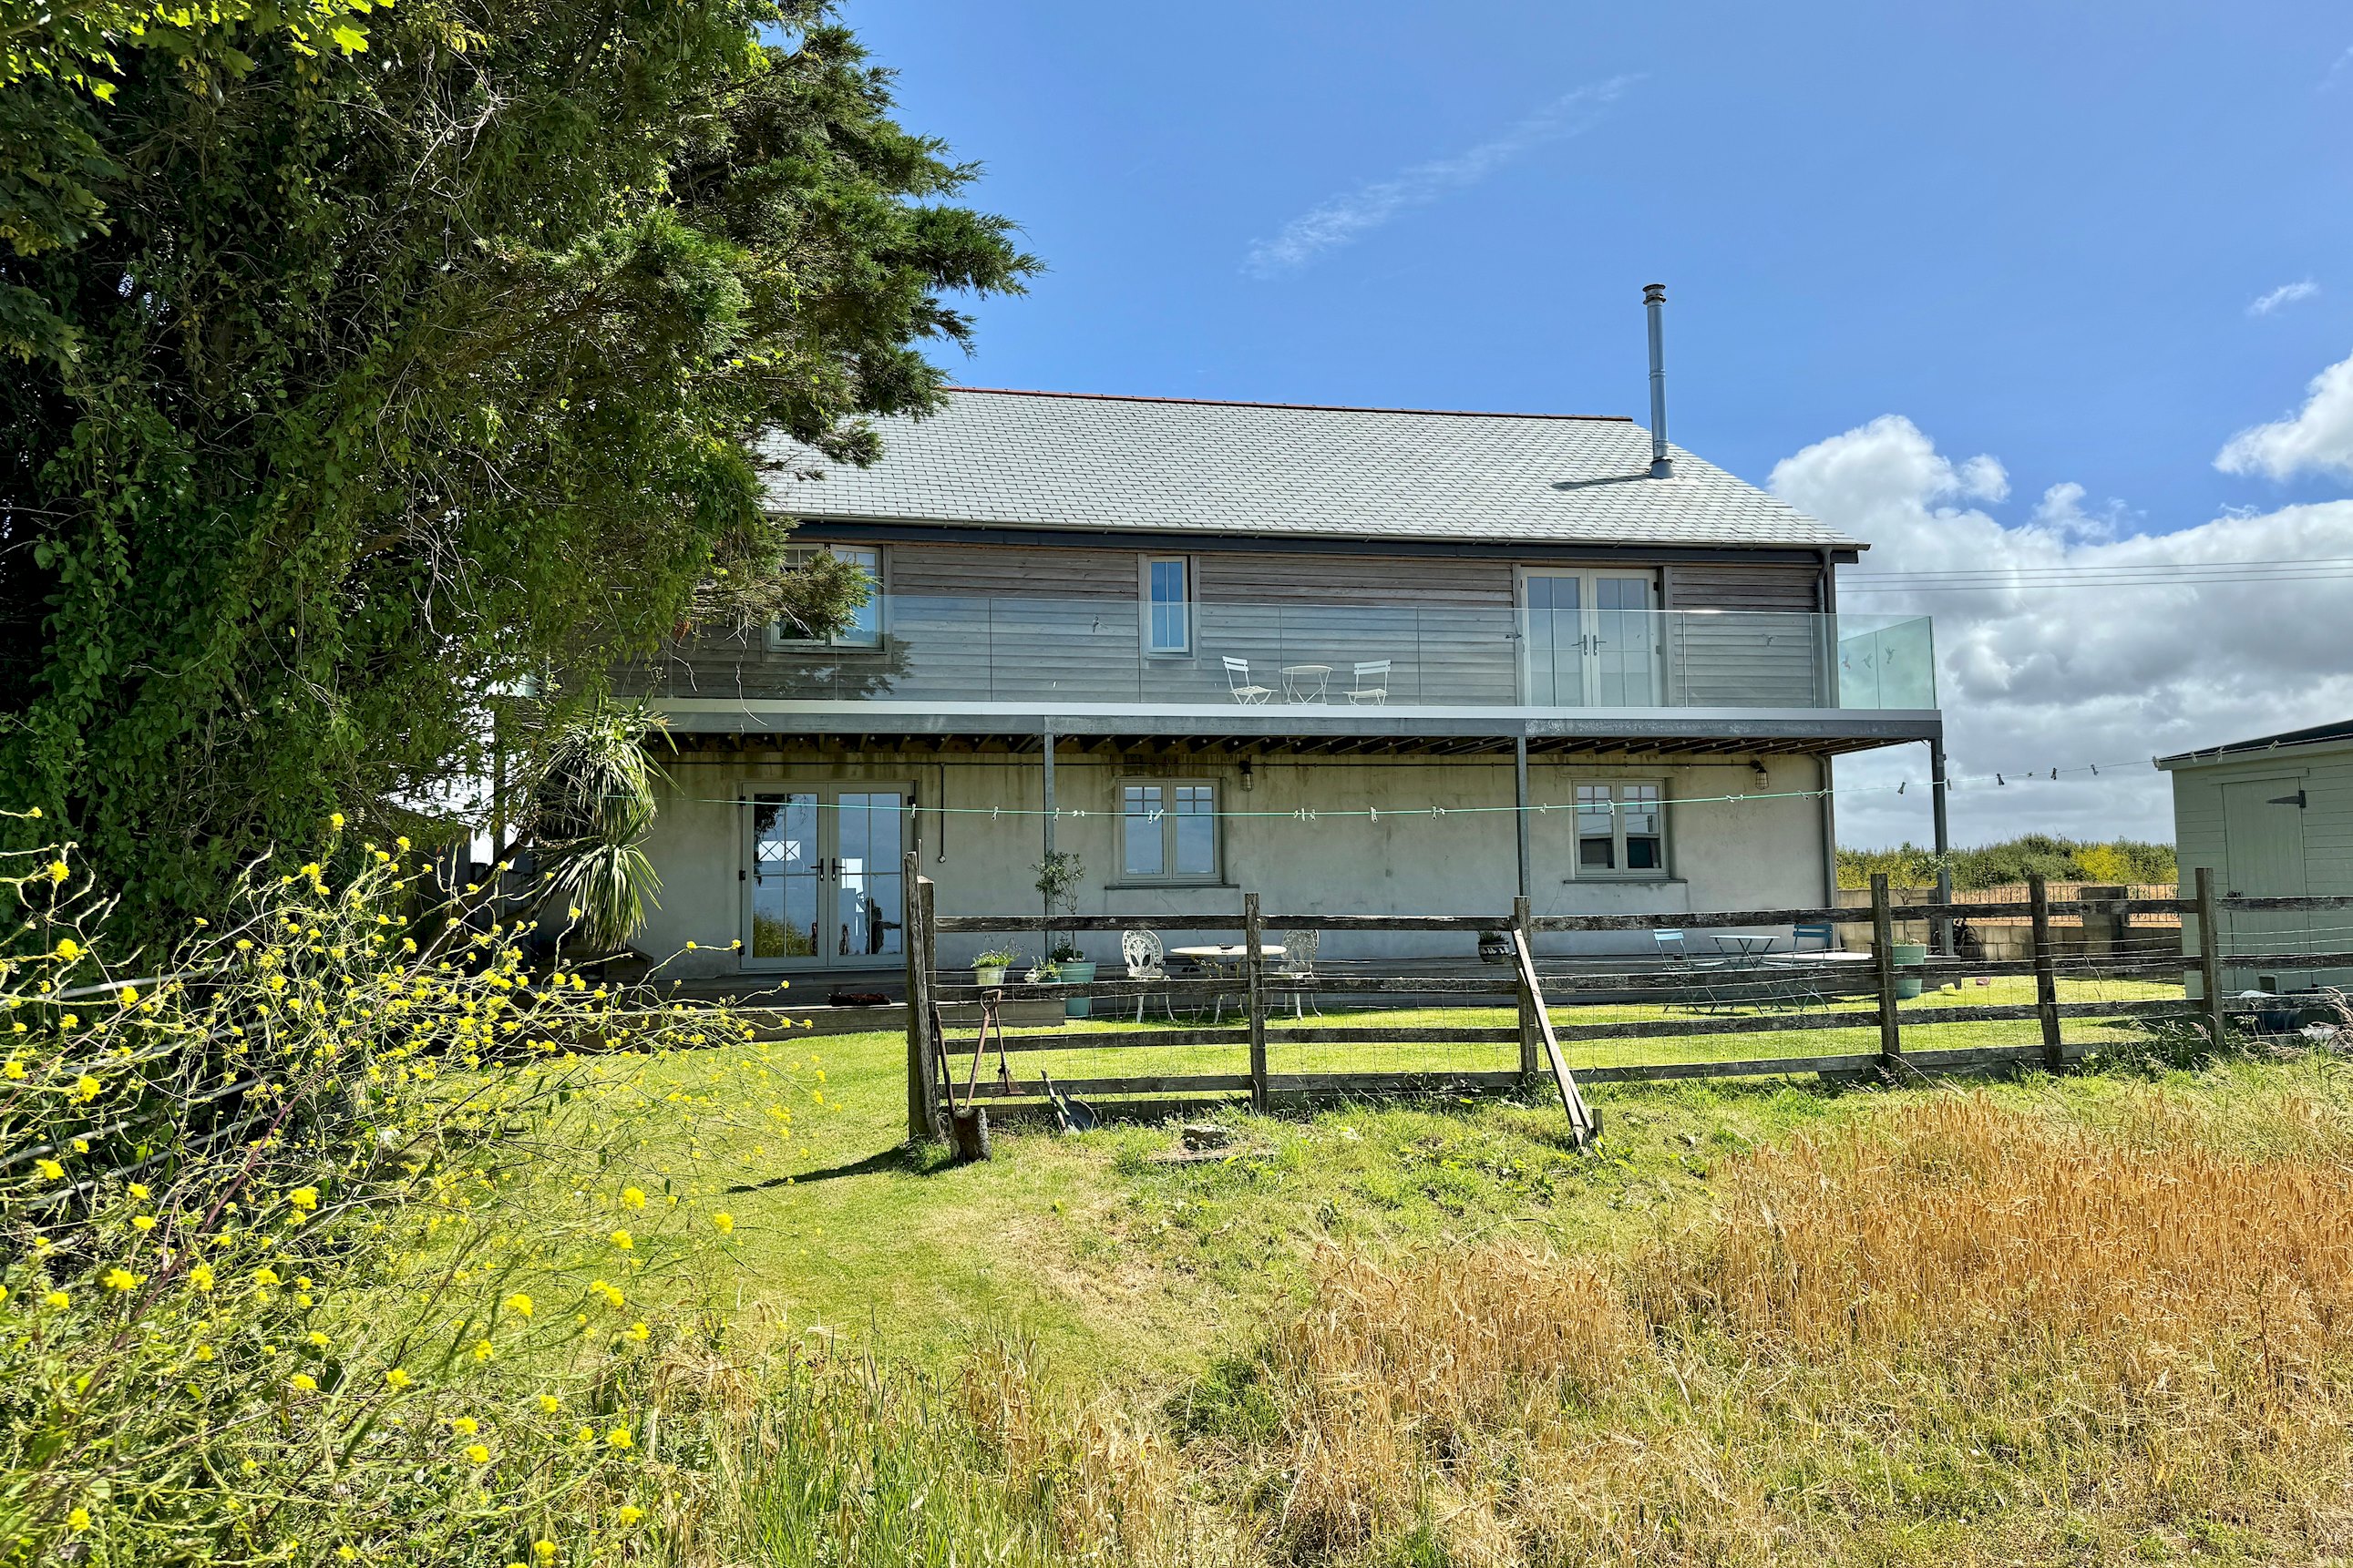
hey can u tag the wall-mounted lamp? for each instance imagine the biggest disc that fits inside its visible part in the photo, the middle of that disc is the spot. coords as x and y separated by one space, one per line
1250 779
1764 779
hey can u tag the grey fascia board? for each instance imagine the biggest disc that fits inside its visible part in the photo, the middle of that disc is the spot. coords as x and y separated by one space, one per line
786 716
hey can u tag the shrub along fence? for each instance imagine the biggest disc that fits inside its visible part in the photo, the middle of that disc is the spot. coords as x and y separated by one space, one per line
1830 990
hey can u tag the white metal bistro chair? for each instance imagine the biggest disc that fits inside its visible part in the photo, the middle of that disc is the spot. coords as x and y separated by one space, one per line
1146 960
1372 683
1299 966
1238 680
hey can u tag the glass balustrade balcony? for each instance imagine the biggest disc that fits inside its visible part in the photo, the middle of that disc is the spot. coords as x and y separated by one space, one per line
957 650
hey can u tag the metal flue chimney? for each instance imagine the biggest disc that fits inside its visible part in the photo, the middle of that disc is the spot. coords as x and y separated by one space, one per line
1654 300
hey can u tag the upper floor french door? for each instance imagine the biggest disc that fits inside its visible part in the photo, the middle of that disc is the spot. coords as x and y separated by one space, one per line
823 877
1589 639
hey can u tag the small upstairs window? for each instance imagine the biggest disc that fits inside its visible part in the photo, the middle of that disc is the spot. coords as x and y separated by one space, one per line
864 627
1168 604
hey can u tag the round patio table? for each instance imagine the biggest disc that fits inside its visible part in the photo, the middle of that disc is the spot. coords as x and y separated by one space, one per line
1305 682
1217 954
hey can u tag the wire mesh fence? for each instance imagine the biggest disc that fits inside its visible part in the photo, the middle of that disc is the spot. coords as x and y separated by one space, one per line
1247 1018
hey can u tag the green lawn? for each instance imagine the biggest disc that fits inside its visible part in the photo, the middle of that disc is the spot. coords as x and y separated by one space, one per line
1114 1261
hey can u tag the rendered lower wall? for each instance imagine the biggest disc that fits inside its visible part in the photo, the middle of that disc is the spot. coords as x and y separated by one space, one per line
1730 844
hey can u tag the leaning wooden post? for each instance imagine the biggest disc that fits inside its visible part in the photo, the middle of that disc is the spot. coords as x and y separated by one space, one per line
1883 961
1532 1060
2046 972
916 937
1255 998
2210 958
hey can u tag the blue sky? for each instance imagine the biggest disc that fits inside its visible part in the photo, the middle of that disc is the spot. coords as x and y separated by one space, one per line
2034 232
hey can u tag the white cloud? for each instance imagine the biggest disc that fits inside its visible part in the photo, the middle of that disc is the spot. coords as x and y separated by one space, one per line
1344 218
2318 439
2037 676
2286 294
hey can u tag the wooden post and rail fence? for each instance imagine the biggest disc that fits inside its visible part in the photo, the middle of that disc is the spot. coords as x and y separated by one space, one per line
1780 994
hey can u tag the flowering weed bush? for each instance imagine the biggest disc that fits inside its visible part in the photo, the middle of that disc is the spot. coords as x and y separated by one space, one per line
323 1236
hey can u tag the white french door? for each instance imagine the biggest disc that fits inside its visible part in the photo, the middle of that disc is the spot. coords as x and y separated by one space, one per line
1590 639
824 882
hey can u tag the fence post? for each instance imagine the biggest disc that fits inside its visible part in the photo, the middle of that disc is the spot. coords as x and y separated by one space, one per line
1883 961
1254 988
916 939
2046 971
2210 958
1532 1060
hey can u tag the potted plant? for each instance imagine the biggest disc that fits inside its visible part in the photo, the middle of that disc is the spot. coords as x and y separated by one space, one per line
989 968
1059 875
1495 946
1073 965
1042 973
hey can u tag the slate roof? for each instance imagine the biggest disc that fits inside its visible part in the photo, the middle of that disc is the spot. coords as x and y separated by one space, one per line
1050 460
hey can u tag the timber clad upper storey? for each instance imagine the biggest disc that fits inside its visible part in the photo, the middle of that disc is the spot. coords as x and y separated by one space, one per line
1102 553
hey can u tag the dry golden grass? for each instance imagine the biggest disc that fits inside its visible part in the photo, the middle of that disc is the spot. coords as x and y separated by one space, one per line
1960 1334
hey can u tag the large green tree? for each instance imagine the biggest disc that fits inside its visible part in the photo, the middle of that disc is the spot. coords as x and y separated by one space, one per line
369 365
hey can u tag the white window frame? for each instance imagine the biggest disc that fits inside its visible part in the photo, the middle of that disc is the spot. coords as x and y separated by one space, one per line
1169 876
1618 870
1150 607
797 554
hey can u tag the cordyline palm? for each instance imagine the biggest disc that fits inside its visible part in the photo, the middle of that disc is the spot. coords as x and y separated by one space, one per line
595 801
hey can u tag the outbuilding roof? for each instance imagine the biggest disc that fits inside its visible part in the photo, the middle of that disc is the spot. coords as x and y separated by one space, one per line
2318 734
1073 460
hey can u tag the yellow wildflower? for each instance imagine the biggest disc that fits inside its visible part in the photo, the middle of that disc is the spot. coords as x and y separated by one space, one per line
639 1333
629 1514
543 1550
87 1088
204 1352
120 1279
68 949
396 1378
143 1222
550 1403
724 1223
201 1276
618 1437
622 1239
14 1068
336 821
265 1276
58 1300
319 1339
138 1189
632 1198
464 1426
483 1351
304 1198
519 1304
306 1383
77 1520
478 1453
50 1169
59 871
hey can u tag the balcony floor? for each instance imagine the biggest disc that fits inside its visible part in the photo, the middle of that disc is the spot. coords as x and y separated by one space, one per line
1309 728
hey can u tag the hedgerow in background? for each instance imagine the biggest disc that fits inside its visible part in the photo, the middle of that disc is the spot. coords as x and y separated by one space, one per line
333 1241
2129 861
373 375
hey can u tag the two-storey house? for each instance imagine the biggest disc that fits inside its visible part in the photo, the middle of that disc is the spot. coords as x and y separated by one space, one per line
1363 660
